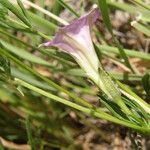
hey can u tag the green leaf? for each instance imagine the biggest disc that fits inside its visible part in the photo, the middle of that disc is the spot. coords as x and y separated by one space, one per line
7 96
30 79
141 27
146 83
5 71
48 81
4 25
65 5
112 107
76 72
1 147
130 52
142 4
14 24
129 93
29 133
24 54
3 12
15 11
42 24
22 8
145 15
137 110
57 8
104 11
90 111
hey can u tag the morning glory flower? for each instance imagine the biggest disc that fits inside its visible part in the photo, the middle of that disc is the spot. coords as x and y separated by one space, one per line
75 39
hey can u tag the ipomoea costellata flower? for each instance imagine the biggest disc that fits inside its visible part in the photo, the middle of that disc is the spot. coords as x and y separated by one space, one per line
75 39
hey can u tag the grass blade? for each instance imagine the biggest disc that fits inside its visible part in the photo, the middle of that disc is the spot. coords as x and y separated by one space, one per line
131 95
49 82
45 12
89 111
42 24
68 7
131 53
140 3
22 8
141 27
132 9
146 83
104 10
24 54
15 11
29 133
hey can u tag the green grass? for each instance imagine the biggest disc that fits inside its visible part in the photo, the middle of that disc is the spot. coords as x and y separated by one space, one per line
41 87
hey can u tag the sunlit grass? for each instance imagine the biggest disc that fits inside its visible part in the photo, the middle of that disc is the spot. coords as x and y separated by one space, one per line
44 92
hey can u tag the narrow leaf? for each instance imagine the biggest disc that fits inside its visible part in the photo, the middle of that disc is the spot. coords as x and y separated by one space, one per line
104 11
24 54
22 8
15 11
141 27
146 83
29 133
68 7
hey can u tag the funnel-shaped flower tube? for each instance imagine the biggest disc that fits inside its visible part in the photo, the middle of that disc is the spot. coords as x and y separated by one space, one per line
75 39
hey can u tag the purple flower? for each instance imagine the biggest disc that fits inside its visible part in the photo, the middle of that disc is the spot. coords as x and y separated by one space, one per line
75 39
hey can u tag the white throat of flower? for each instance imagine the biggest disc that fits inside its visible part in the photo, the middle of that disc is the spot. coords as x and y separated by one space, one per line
82 51
86 61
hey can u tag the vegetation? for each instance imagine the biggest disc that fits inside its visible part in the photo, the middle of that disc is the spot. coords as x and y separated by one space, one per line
50 99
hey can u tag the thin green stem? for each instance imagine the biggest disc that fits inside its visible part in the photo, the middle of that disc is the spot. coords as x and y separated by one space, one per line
68 7
131 95
50 82
140 3
43 35
29 133
30 29
105 14
45 12
43 51
104 49
92 112
121 103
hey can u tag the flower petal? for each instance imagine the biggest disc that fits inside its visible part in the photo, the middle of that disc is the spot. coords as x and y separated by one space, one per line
80 31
